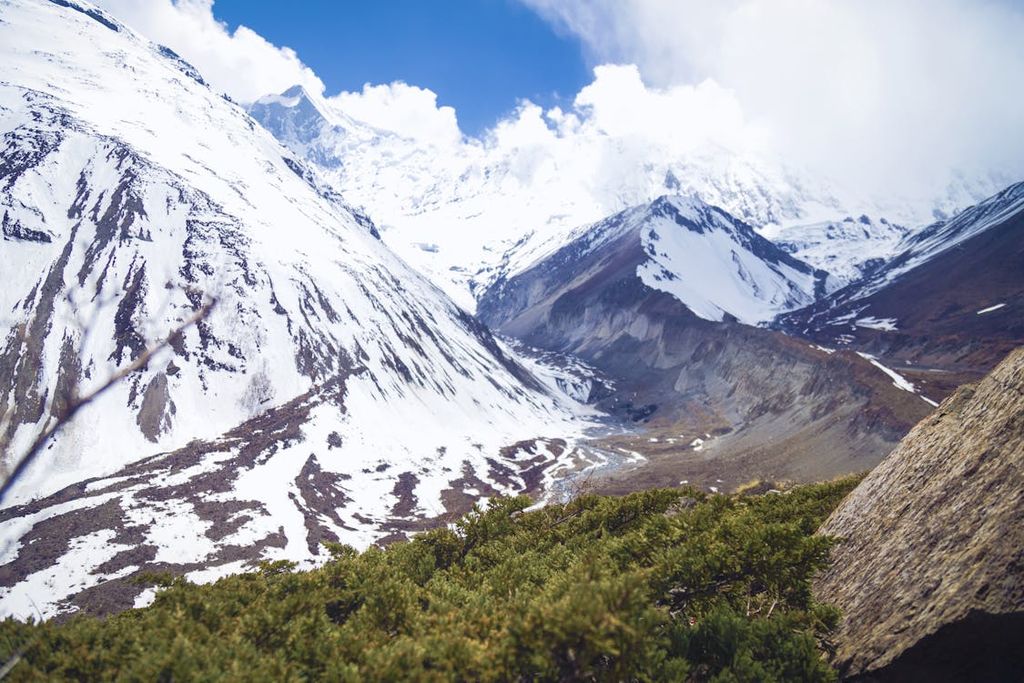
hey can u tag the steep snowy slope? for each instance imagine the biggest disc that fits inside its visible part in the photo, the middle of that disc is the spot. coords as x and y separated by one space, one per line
953 297
847 250
714 264
331 390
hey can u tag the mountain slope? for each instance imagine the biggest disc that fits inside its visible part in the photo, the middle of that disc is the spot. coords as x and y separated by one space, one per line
714 402
713 263
847 250
130 193
928 572
953 298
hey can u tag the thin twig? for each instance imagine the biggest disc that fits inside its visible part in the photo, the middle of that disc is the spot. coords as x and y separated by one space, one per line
78 402
12 662
19 654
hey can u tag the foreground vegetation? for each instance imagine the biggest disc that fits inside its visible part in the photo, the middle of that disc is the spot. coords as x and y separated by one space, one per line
660 585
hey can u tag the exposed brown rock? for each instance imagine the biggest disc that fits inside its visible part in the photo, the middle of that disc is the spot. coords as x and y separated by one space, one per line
154 415
929 573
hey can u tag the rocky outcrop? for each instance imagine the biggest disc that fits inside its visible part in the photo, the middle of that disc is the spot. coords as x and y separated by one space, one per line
929 573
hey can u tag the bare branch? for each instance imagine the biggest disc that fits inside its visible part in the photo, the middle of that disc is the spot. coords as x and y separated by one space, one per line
13 661
76 403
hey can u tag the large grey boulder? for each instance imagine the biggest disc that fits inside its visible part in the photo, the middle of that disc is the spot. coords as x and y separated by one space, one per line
929 573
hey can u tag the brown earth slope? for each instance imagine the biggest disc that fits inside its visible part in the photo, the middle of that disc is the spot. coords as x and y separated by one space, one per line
960 310
930 572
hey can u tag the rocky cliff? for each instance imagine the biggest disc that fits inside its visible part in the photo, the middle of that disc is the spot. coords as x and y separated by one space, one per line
929 573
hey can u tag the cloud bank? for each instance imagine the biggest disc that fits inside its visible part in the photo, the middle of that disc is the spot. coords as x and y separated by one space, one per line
874 91
243 64
402 108
885 98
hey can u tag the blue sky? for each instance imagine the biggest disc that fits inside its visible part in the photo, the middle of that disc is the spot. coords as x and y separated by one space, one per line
479 56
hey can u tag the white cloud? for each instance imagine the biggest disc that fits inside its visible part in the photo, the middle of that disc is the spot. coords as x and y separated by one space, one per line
619 131
618 108
682 117
243 64
873 91
246 66
405 109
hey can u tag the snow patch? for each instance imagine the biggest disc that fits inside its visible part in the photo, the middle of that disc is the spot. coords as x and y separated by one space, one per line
872 323
41 594
898 380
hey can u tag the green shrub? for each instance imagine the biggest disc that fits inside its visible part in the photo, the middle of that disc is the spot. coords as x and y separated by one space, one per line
659 585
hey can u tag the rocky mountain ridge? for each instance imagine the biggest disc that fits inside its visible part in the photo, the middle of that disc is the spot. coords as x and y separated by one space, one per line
951 299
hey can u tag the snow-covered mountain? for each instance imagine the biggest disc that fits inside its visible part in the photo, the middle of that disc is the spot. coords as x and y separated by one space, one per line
713 263
130 194
718 266
847 249
951 296
471 213
650 299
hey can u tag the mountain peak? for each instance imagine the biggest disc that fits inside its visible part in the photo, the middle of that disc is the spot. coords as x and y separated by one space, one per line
298 120
295 91
294 96
679 203
693 213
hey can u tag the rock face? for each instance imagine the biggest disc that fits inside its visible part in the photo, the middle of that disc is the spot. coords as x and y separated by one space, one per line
930 570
